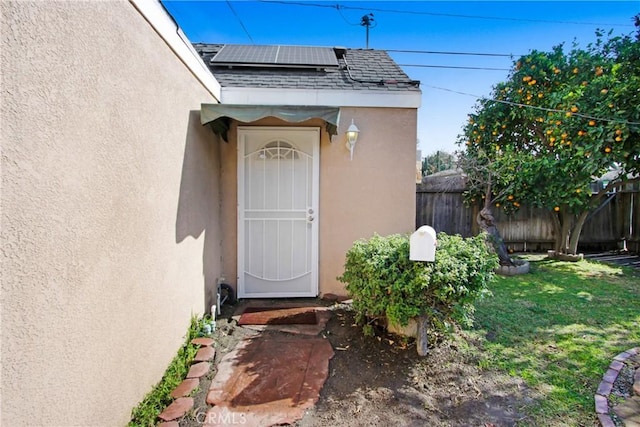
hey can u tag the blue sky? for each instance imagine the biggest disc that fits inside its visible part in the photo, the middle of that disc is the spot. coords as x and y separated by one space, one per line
503 27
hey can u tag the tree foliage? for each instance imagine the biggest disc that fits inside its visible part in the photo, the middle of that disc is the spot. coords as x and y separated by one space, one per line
562 119
437 162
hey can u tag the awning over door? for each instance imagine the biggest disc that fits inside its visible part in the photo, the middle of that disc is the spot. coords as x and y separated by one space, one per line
219 116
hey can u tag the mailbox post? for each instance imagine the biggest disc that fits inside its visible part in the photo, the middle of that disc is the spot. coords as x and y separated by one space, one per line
422 247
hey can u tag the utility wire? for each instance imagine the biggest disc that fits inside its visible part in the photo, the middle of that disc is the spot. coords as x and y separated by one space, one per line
438 52
240 20
517 104
344 17
454 67
448 15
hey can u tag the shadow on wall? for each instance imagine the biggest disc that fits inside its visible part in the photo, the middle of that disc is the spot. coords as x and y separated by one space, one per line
199 202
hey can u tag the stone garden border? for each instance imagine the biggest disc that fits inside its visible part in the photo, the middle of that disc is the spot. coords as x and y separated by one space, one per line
521 267
601 397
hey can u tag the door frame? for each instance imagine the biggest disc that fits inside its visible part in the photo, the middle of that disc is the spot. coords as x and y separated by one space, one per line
315 200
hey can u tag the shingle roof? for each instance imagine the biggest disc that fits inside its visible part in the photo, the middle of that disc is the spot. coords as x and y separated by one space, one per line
359 69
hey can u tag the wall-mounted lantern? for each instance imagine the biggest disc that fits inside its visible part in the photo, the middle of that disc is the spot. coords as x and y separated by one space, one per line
352 137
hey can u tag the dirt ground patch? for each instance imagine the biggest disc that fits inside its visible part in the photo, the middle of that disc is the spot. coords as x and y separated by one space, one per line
381 381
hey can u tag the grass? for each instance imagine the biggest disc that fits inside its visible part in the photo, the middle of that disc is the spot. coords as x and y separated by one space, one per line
558 328
147 411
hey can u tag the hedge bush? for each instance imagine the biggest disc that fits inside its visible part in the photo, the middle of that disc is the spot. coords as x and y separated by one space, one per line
383 281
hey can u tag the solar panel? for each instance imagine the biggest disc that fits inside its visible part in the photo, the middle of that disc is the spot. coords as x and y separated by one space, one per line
296 56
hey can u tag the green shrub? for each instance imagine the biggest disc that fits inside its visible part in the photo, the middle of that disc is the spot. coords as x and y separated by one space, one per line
384 282
147 411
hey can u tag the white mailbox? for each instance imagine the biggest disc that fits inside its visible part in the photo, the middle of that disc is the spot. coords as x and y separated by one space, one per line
422 244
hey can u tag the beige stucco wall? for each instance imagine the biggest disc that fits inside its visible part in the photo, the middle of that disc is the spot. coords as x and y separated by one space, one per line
109 210
374 193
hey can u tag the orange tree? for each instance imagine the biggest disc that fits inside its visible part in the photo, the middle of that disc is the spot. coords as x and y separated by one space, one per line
560 121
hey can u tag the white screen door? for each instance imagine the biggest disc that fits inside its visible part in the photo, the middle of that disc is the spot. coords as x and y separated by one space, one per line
278 212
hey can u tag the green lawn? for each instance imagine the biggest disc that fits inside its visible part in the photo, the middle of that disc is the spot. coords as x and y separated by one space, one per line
558 329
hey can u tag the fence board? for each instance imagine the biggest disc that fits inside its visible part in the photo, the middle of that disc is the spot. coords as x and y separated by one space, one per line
531 229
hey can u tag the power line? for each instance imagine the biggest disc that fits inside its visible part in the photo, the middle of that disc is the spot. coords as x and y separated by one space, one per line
517 104
447 15
240 20
454 67
344 17
437 52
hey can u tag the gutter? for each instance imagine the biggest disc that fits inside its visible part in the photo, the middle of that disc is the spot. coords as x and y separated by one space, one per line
165 26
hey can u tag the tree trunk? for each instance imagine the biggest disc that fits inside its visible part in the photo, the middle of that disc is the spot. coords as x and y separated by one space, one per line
422 341
557 231
576 230
487 223
564 232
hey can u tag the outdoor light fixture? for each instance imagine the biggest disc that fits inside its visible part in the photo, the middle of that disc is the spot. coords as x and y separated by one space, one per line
352 137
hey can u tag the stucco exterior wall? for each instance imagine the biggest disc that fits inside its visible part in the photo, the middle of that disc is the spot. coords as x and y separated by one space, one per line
374 193
110 237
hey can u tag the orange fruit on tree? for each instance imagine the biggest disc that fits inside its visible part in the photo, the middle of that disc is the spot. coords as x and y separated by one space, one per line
574 109
618 132
607 149
557 208
604 91
618 138
592 122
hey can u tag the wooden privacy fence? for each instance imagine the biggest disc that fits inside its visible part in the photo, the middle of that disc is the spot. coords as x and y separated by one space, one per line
615 224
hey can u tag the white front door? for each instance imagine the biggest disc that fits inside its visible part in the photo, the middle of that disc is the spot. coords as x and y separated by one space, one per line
278 211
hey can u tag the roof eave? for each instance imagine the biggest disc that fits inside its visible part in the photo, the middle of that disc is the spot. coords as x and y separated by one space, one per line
340 98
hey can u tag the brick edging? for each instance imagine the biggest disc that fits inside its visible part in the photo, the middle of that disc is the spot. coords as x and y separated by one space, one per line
601 397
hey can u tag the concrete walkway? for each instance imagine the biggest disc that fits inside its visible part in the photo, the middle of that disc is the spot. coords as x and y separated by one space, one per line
271 378
268 380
